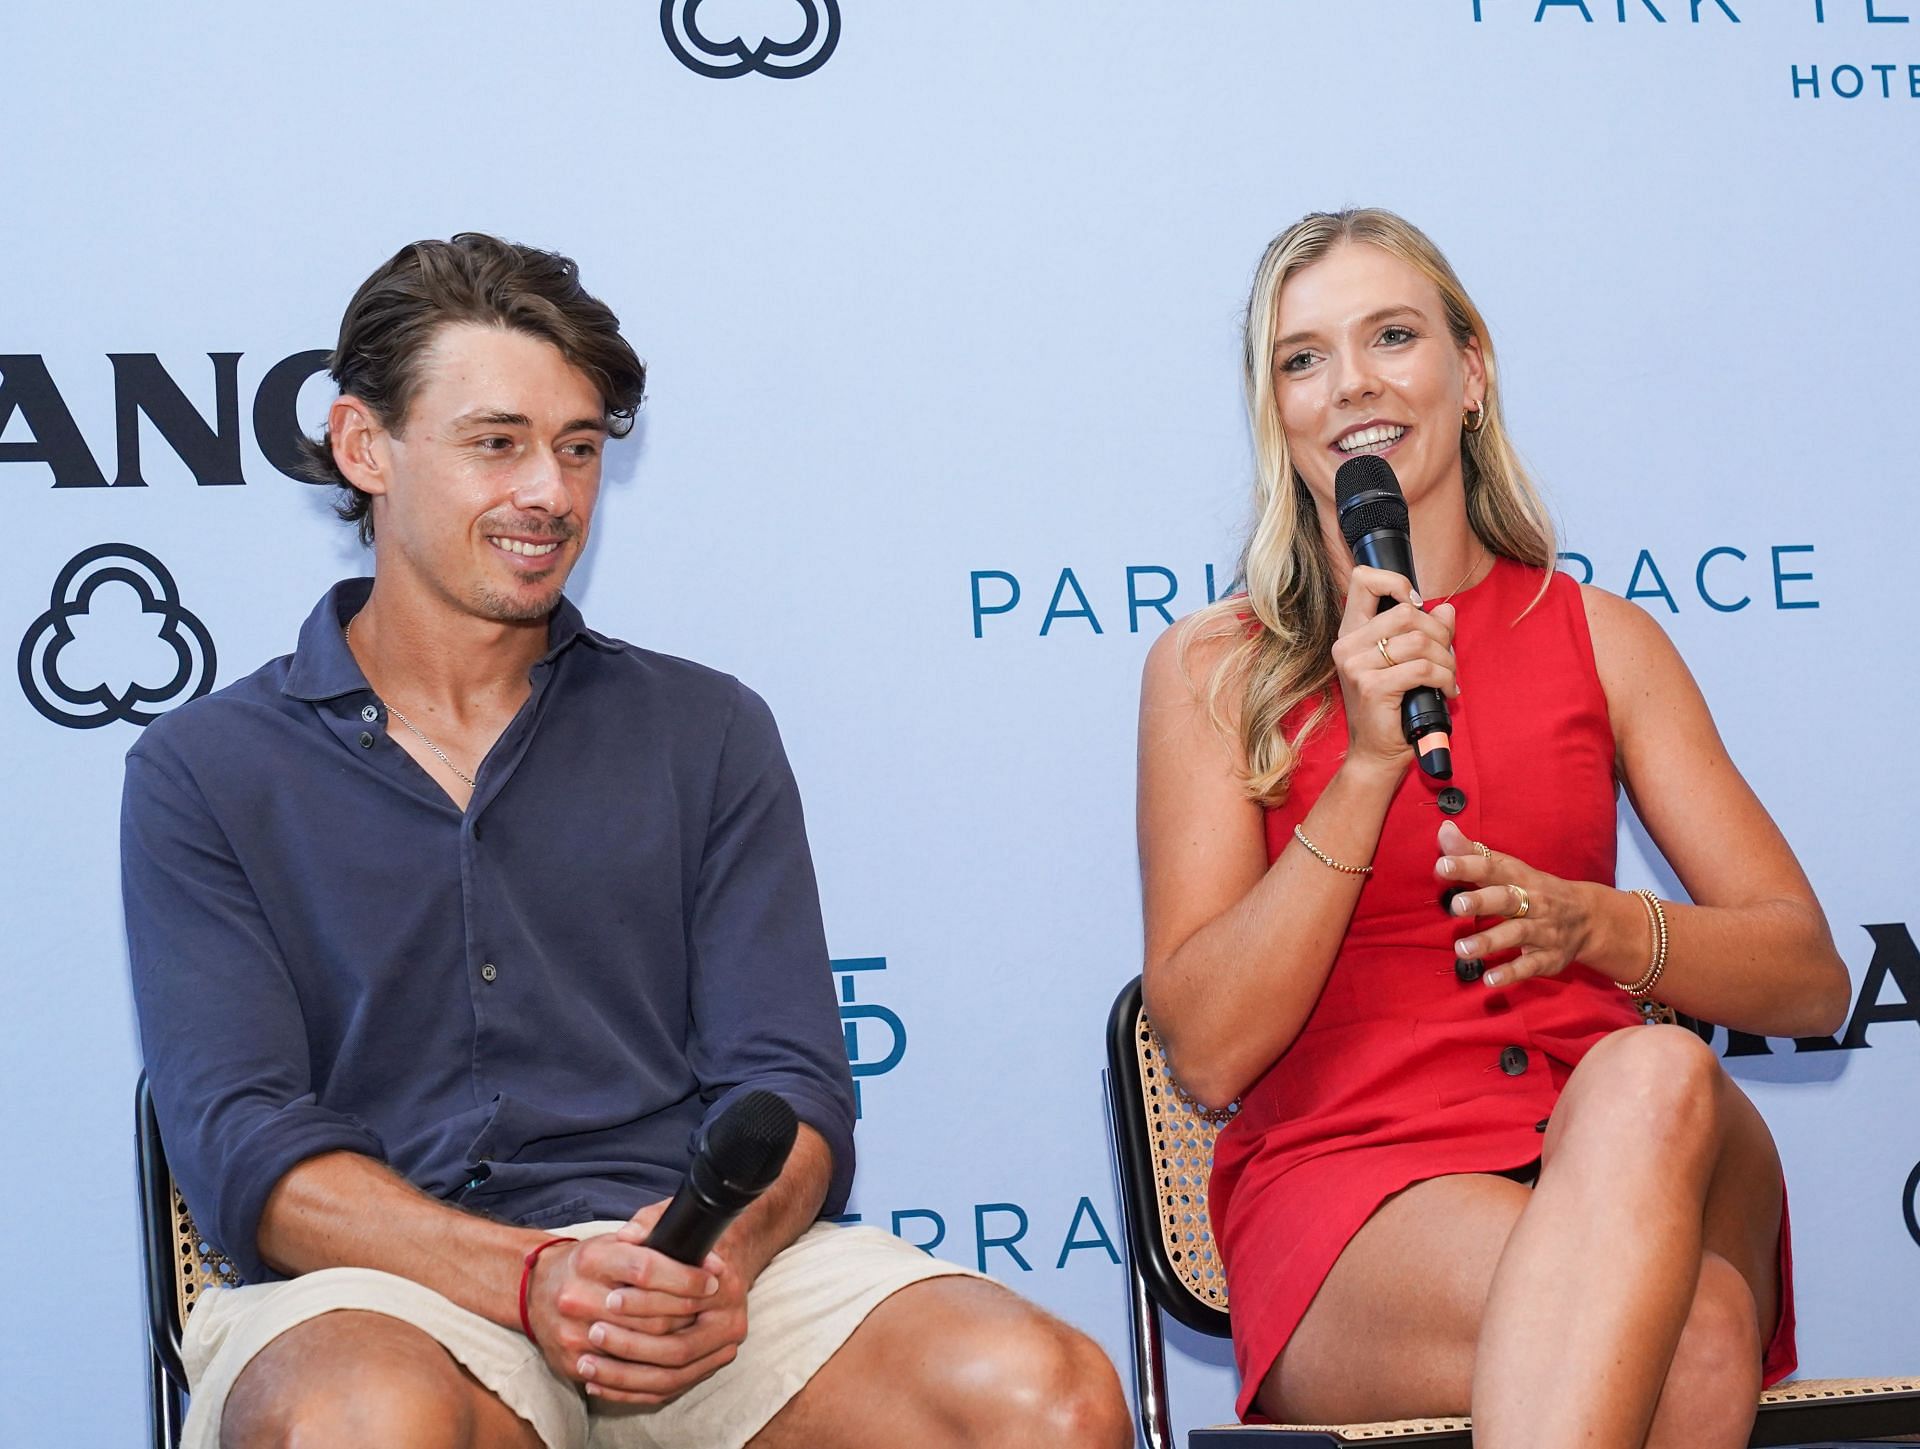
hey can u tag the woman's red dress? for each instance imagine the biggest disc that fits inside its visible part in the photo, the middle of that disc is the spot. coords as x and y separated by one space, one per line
1404 1071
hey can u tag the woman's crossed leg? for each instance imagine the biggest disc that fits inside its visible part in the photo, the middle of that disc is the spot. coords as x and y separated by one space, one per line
1622 1302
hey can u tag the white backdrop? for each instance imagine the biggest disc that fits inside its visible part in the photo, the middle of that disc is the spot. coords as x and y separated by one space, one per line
963 301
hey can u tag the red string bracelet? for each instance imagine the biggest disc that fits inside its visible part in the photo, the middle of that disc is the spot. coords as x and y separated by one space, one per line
526 1283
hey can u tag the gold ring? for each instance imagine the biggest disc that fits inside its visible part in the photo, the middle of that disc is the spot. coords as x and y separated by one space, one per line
1525 905
1485 853
1391 661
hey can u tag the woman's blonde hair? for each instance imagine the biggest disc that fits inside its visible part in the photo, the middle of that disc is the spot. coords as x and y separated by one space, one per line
1281 655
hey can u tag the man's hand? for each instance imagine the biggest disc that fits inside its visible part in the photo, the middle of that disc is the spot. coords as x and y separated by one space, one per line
631 1324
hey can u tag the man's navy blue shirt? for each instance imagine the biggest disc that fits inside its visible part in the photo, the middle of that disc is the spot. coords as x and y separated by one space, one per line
528 1008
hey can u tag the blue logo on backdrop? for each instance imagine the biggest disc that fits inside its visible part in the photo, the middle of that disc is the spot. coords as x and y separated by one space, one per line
75 654
1147 592
1004 1234
724 58
1640 10
1849 79
1724 578
875 1019
1141 598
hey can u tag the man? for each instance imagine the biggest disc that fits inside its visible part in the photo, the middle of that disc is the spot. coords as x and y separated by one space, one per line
451 929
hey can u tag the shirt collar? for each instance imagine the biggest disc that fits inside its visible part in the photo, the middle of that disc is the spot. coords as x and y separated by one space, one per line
324 668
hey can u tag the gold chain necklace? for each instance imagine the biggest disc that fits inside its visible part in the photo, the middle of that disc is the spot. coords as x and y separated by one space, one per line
1446 598
439 754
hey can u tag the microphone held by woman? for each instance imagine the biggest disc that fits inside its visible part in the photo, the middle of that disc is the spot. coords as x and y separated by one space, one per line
1373 520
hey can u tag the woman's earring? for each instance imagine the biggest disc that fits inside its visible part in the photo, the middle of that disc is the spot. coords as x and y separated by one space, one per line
1476 418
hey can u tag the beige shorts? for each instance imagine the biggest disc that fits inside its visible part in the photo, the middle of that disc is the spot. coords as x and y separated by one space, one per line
807 1302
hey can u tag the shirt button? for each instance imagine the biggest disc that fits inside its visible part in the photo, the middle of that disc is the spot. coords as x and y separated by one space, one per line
369 713
1541 1125
366 740
1513 1061
1453 800
1470 969
489 971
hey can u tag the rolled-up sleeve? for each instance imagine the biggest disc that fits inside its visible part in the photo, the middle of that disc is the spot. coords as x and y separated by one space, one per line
763 1010
220 1024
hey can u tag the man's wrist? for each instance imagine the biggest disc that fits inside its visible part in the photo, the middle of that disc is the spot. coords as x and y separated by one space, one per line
746 1251
529 1262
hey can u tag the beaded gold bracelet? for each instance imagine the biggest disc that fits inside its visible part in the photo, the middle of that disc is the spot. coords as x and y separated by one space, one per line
1657 923
1327 860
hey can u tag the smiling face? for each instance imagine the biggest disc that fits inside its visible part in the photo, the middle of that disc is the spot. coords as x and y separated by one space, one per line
483 497
1366 363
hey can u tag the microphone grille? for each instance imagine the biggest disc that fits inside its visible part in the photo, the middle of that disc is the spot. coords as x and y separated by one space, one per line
749 1142
1365 474
1367 495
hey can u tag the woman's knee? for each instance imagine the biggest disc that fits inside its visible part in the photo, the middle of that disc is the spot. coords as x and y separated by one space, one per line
1660 1084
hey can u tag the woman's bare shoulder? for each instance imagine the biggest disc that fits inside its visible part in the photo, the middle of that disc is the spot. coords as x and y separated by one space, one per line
1626 638
1647 684
1184 659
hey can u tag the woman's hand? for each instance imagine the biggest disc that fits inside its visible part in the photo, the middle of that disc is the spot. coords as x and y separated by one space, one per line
1559 920
1419 650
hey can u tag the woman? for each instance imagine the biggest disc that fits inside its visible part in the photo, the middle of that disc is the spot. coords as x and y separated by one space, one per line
1456 1181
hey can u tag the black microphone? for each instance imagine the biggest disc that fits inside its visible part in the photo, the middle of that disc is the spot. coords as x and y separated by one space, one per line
1373 520
737 1158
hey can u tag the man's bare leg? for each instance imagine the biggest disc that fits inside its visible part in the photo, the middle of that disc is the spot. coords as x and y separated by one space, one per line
957 1362
355 1379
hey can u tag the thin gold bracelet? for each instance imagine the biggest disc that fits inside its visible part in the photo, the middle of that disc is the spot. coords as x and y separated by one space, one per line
1657 923
1327 860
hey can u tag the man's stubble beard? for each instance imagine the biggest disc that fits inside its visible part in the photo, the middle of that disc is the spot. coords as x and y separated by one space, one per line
512 606
504 608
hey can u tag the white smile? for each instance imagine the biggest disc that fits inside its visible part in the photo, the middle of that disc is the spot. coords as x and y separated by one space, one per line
527 550
1372 440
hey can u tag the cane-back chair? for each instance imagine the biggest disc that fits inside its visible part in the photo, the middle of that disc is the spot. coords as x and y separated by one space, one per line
180 1265
1163 1147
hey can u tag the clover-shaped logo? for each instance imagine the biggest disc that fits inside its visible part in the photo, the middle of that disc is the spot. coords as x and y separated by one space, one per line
90 694
735 55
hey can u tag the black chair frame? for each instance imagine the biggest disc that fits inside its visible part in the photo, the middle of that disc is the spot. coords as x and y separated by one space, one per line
166 1374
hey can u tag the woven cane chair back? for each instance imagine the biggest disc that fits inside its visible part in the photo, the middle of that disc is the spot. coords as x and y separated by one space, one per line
1180 1138
197 1264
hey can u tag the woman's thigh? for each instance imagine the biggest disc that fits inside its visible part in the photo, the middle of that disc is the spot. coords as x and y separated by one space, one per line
1391 1332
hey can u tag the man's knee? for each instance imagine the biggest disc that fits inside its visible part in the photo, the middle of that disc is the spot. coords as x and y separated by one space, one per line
1035 1381
345 1381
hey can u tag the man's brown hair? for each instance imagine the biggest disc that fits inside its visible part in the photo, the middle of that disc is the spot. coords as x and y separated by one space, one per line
398 311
